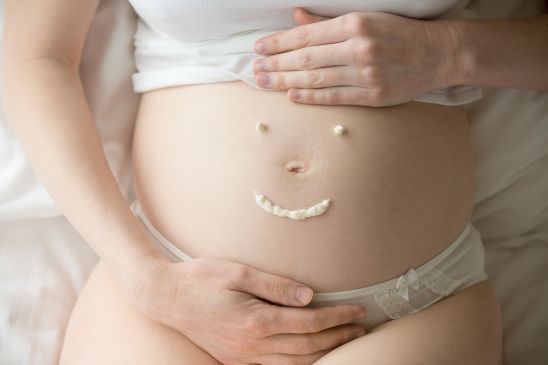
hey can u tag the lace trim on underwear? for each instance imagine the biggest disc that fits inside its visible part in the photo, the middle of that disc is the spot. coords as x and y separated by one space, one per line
392 303
440 283
395 301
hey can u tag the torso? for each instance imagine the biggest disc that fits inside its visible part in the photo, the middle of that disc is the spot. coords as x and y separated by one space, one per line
400 181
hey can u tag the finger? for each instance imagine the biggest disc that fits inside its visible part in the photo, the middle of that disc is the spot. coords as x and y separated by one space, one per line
303 344
313 34
274 288
306 58
338 95
276 359
302 16
309 320
317 78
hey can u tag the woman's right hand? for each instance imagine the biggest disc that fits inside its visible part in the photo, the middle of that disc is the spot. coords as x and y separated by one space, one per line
232 311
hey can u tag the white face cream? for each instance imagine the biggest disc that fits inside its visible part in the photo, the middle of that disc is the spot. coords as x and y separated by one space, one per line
339 129
299 214
261 127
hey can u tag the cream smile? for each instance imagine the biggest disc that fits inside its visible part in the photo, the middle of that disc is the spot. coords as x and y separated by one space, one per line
299 214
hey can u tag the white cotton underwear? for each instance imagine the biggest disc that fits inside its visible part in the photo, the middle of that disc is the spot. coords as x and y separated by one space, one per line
456 268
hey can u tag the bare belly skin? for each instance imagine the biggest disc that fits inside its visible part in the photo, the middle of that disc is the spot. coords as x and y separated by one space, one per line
400 181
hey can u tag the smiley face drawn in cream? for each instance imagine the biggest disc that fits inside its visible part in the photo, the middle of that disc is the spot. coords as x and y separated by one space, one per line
299 214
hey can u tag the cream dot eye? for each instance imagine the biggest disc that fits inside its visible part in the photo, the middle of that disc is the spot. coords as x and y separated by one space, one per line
261 127
339 129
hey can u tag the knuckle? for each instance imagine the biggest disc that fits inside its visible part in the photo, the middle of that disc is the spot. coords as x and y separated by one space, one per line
360 50
275 43
307 96
304 60
279 81
311 325
362 76
314 78
255 326
334 97
241 273
354 22
274 62
302 36
372 73
377 96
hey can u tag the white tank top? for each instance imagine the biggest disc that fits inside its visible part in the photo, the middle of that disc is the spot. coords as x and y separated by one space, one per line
207 41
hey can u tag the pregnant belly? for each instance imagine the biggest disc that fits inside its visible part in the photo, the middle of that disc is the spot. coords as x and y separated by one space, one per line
399 181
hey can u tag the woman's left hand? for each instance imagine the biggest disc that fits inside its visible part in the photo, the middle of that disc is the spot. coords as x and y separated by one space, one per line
371 59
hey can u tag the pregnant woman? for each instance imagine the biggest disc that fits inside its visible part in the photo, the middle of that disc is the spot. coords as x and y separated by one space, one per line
271 229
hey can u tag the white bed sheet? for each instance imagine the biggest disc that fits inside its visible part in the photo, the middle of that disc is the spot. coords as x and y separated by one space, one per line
44 262
510 134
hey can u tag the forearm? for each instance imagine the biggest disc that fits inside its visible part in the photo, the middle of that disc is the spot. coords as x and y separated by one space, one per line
506 53
47 109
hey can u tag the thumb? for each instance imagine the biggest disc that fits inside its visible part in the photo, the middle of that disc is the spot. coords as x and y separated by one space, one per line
276 289
302 16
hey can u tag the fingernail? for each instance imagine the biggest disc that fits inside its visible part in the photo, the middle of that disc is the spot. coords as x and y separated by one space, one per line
303 294
362 313
260 47
294 95
359 332
263 80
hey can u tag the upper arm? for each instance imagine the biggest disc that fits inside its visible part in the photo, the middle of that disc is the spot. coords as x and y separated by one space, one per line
55 29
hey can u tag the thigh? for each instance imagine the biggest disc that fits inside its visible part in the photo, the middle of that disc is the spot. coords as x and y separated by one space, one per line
105 329
464 328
